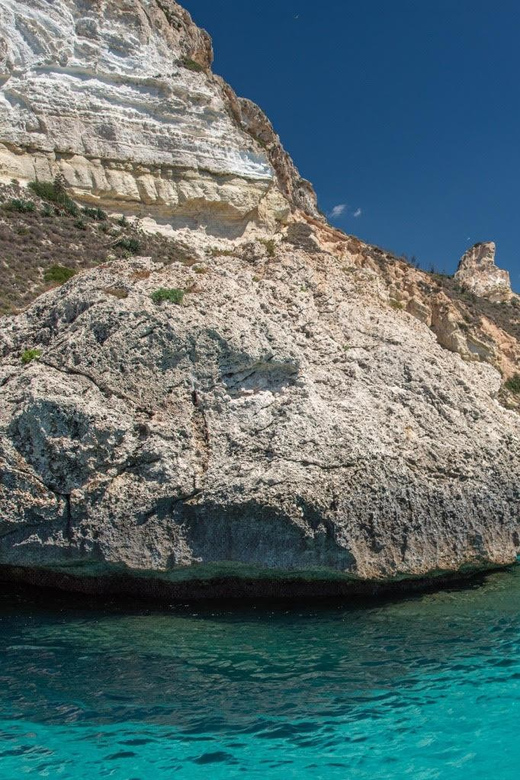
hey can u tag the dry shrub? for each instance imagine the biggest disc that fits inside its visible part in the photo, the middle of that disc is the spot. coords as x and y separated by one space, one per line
117 292
140 275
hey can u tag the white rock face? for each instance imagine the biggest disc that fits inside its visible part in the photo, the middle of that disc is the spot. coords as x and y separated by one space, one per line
478 273
118 98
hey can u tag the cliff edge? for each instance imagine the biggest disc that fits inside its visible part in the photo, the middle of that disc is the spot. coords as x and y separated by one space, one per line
118 98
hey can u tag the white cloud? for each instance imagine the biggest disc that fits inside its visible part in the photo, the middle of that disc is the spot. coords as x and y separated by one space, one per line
338 210
358 213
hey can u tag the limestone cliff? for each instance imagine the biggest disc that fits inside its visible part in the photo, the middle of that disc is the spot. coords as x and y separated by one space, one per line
478 327
284 413
118 97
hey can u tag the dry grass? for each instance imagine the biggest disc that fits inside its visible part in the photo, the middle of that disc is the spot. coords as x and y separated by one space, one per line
140 275
37 239
116 292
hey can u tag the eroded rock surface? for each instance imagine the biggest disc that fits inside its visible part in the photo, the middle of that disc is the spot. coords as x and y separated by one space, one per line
478 273
282 422
119 99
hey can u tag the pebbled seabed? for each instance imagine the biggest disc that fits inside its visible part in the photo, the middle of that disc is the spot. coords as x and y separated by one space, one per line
427 687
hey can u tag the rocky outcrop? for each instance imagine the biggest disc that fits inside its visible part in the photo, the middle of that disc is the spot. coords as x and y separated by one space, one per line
282 424
118 98
478 273
476 328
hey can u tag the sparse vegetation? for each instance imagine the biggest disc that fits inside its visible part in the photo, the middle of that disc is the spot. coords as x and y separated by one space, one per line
58 274
397 305
270 245
45 237
55 192
95 213
513 384
131 245
19 205
217 252
190 64
172 295
116 292
29 355
80 224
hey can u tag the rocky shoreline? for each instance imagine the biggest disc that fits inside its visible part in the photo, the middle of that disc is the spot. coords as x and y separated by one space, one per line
284 587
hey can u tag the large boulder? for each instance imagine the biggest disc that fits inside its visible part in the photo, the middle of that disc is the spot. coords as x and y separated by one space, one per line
278 424
281 430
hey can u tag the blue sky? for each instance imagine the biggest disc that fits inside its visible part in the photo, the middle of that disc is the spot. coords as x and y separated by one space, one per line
405 111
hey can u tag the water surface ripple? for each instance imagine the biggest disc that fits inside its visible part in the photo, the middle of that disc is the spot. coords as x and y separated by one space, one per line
426 687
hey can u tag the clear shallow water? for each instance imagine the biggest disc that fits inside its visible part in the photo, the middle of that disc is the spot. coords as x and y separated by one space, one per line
427 687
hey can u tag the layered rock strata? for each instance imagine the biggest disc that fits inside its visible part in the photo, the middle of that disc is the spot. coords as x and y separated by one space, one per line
118 98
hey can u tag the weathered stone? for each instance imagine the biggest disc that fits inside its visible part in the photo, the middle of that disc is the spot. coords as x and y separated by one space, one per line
288 426
478 273
280 423
118 98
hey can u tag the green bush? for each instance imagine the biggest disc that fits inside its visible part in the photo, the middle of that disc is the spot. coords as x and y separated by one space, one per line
59 274
131 245
186 62
513 384
54 191
30 354
22 206
80 224
216 252
270 245
95 213
173 295
397 305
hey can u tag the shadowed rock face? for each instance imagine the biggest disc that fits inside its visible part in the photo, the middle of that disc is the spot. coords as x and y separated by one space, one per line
118 98
478 273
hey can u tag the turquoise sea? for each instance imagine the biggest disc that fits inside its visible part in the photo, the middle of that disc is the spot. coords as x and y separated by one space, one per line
424 687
